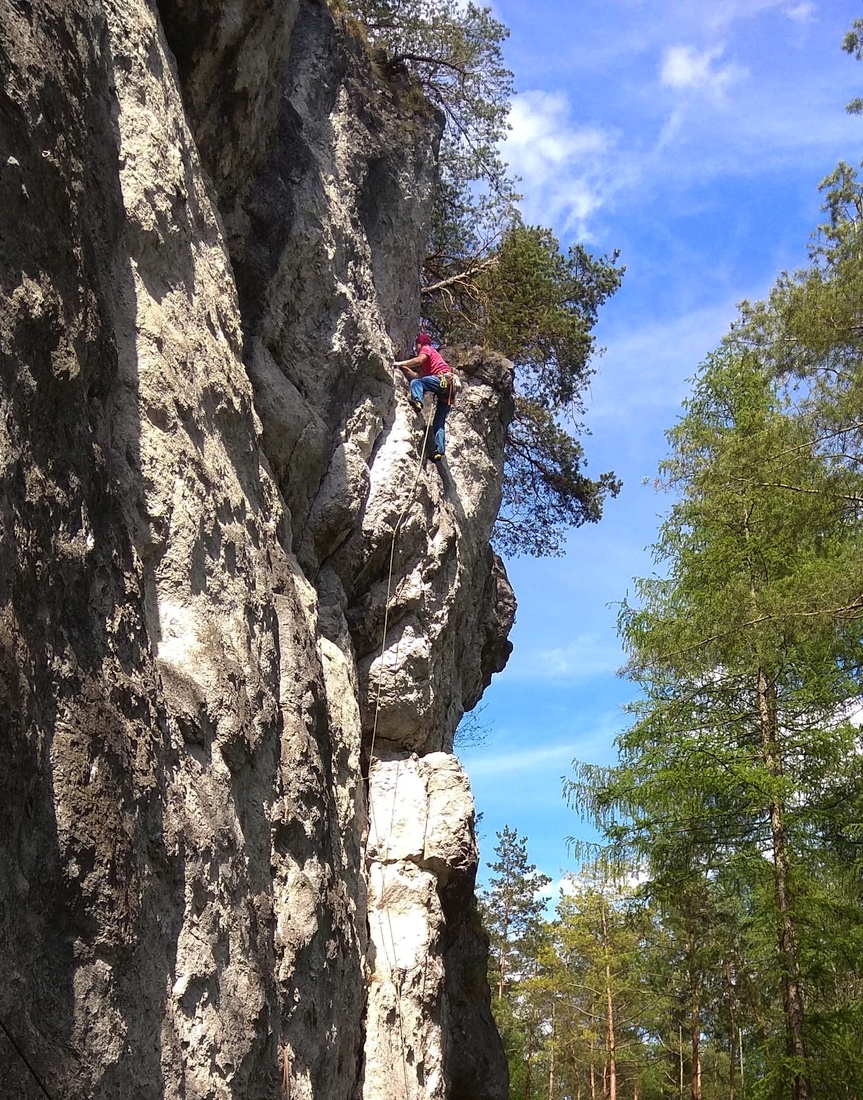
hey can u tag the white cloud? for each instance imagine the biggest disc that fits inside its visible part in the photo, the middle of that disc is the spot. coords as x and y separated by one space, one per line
565 167
685 68
698 119
803 12
543 135
726 13
564 885
573 883
535 765
521 761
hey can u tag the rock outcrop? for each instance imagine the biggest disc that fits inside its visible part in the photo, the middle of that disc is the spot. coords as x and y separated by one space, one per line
217 667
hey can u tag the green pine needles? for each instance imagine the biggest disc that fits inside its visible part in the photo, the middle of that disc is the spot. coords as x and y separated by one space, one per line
489 279
738 786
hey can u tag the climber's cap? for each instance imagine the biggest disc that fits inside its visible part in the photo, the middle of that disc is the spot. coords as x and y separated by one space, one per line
422 339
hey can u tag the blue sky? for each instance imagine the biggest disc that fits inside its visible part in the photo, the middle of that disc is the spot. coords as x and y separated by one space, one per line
691 135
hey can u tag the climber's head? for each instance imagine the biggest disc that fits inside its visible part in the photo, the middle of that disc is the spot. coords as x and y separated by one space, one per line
422 340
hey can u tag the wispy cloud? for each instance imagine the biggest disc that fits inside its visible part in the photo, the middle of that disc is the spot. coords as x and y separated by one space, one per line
521 761
684 68
722 14
586 656
565 167
646 367
534 765
801 13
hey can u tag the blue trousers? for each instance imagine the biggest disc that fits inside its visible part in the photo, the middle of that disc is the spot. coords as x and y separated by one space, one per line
431 383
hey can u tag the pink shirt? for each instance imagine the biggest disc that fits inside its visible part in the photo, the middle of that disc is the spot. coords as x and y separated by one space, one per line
434 361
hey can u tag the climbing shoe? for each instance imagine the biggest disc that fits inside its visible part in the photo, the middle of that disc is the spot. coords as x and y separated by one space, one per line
418 405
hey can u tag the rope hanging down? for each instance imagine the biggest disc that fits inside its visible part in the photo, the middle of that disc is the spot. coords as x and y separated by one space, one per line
399 522
390 952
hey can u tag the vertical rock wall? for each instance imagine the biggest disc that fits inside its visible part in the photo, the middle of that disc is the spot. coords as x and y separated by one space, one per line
212 225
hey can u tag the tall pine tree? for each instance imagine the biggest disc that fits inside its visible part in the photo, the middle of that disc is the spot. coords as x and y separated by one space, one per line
748 676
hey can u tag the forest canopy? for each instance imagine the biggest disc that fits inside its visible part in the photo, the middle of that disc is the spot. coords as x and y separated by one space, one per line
712 943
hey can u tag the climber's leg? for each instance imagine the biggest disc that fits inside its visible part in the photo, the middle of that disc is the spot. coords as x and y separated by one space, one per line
440 416
427 383
417 392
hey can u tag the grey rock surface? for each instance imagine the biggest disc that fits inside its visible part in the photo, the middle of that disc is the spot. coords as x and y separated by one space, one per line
213 216
427 955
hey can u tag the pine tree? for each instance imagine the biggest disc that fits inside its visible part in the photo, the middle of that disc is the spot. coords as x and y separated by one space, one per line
513 908
601 1008
488 279
741 737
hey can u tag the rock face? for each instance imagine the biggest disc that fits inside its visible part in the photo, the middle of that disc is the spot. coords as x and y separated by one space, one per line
427 965
218 666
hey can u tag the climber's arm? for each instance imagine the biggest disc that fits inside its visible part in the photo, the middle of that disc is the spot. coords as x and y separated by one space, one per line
406 366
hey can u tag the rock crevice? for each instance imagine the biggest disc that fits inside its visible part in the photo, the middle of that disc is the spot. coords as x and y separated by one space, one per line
214 216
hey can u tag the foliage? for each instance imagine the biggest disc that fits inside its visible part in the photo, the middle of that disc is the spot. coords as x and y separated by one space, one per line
605 1007
544 489
512 909
746 649
738 789
455 52
472 730
538 308
853 43
489 279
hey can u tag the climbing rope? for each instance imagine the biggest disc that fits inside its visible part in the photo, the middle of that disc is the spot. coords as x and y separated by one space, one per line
26 1061
391 952
399 522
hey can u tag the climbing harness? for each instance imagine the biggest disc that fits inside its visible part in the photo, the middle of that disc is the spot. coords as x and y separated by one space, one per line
450 384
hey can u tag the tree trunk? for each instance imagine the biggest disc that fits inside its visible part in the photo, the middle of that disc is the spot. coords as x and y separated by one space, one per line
694 1022
732 1068
609 1002
501 967
592 1072
551 1057
529 1066
695 1047
792 997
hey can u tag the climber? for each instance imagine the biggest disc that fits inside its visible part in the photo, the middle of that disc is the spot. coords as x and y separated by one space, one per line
433 374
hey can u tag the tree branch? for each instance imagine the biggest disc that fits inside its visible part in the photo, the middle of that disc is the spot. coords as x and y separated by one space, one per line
462 277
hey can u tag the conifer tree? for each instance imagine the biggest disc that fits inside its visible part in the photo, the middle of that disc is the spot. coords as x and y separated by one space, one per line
513 908
488 279
742 735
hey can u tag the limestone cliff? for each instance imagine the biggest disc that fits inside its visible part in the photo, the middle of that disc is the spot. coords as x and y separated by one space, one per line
238 855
